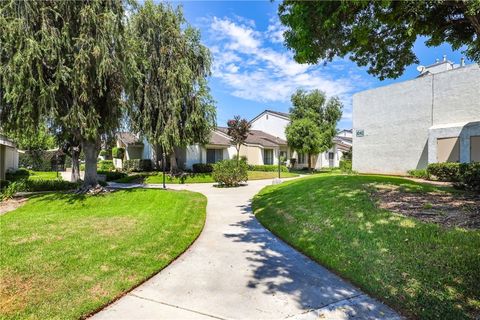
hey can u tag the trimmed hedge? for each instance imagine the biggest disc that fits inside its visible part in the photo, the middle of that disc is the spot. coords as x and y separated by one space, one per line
446 171
230 173
267 167
345 165
118 153
105 165
37 185
20 174
112 175
137 165
470 176
4 184
202 168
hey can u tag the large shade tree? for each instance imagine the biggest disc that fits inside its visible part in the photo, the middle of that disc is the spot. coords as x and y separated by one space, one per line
378 34
169 97
313 121
63 61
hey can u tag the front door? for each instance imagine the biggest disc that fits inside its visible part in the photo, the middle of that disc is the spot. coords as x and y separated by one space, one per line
331 159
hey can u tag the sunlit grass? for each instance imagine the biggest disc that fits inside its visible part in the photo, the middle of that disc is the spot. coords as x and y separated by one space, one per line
63 256
421 269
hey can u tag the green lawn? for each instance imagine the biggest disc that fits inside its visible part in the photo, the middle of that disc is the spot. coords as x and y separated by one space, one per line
198 177
44 175
64 256
423 270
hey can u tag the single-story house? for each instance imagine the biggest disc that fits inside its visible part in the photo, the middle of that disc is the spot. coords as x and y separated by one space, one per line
8 156
265 144
407 125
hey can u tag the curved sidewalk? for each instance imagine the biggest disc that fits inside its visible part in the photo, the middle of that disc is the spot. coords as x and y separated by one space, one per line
238 270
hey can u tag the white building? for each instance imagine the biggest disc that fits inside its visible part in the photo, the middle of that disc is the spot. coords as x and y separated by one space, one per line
265 144
432 118
8 156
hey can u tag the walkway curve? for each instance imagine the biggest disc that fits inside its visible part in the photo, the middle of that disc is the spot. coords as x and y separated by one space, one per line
239 270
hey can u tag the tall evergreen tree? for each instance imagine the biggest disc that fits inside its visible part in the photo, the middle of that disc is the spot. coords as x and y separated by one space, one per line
170 100
63 61
313 121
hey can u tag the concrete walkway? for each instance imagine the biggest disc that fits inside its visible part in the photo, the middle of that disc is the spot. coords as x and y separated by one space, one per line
238 270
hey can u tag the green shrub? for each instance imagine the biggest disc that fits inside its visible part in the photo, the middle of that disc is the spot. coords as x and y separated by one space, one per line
446 171
118 153
269 168
230 173
4 184
105 165
82 166
345 165
202 168
37 185
137 165
20 174
419 173
103 153
470 176
112 175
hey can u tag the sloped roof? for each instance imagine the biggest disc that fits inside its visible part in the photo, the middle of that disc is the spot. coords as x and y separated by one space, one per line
129 138
218 138
264 139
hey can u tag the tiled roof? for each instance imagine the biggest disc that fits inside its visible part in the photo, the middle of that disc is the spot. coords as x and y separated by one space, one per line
128 138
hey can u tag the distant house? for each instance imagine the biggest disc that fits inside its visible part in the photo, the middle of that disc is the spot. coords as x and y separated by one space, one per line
265 143
432 118
8 156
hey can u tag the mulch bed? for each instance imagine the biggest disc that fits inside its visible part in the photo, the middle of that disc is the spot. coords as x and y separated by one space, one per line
11 204
446 209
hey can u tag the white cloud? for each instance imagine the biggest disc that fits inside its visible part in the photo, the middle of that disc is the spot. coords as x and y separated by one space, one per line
252 65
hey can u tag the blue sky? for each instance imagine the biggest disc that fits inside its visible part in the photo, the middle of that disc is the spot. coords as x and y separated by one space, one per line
253 71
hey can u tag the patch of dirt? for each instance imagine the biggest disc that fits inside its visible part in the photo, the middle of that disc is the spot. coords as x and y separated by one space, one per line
446 209
11 204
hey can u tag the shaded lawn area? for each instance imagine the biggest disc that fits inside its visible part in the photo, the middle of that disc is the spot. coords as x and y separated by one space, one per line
421 269
156 178
64 256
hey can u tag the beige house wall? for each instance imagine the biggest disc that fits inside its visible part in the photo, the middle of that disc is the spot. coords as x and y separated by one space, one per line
475 148
448 150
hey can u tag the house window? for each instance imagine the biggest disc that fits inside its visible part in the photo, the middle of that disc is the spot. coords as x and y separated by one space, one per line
214 155
301 158
448 150
268 156
331 156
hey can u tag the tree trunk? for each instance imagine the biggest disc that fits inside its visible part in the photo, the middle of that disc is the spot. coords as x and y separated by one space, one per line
156 156
173 162
75 155
91 153
309 162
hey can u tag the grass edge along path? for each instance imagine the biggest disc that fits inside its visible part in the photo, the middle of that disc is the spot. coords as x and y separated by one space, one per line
421 269
90 250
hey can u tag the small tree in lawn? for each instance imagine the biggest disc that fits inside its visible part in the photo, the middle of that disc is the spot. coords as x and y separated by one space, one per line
313 121
238 129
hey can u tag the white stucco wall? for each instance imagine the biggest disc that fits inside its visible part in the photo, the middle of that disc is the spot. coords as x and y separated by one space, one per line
396 118
271 124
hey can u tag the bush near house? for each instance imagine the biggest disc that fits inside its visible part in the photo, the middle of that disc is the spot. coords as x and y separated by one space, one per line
345 165
118 153
112 175
35 186
105 165
137 165
446 171
202 168
20 174
230 173
267 168
470 176
4 184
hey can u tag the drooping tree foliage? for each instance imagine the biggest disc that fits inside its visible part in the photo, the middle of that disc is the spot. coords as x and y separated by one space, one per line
378 34
169 97
313 121
238 129
63 61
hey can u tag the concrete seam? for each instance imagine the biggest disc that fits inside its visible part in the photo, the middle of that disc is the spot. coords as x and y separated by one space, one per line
178 307
329 304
